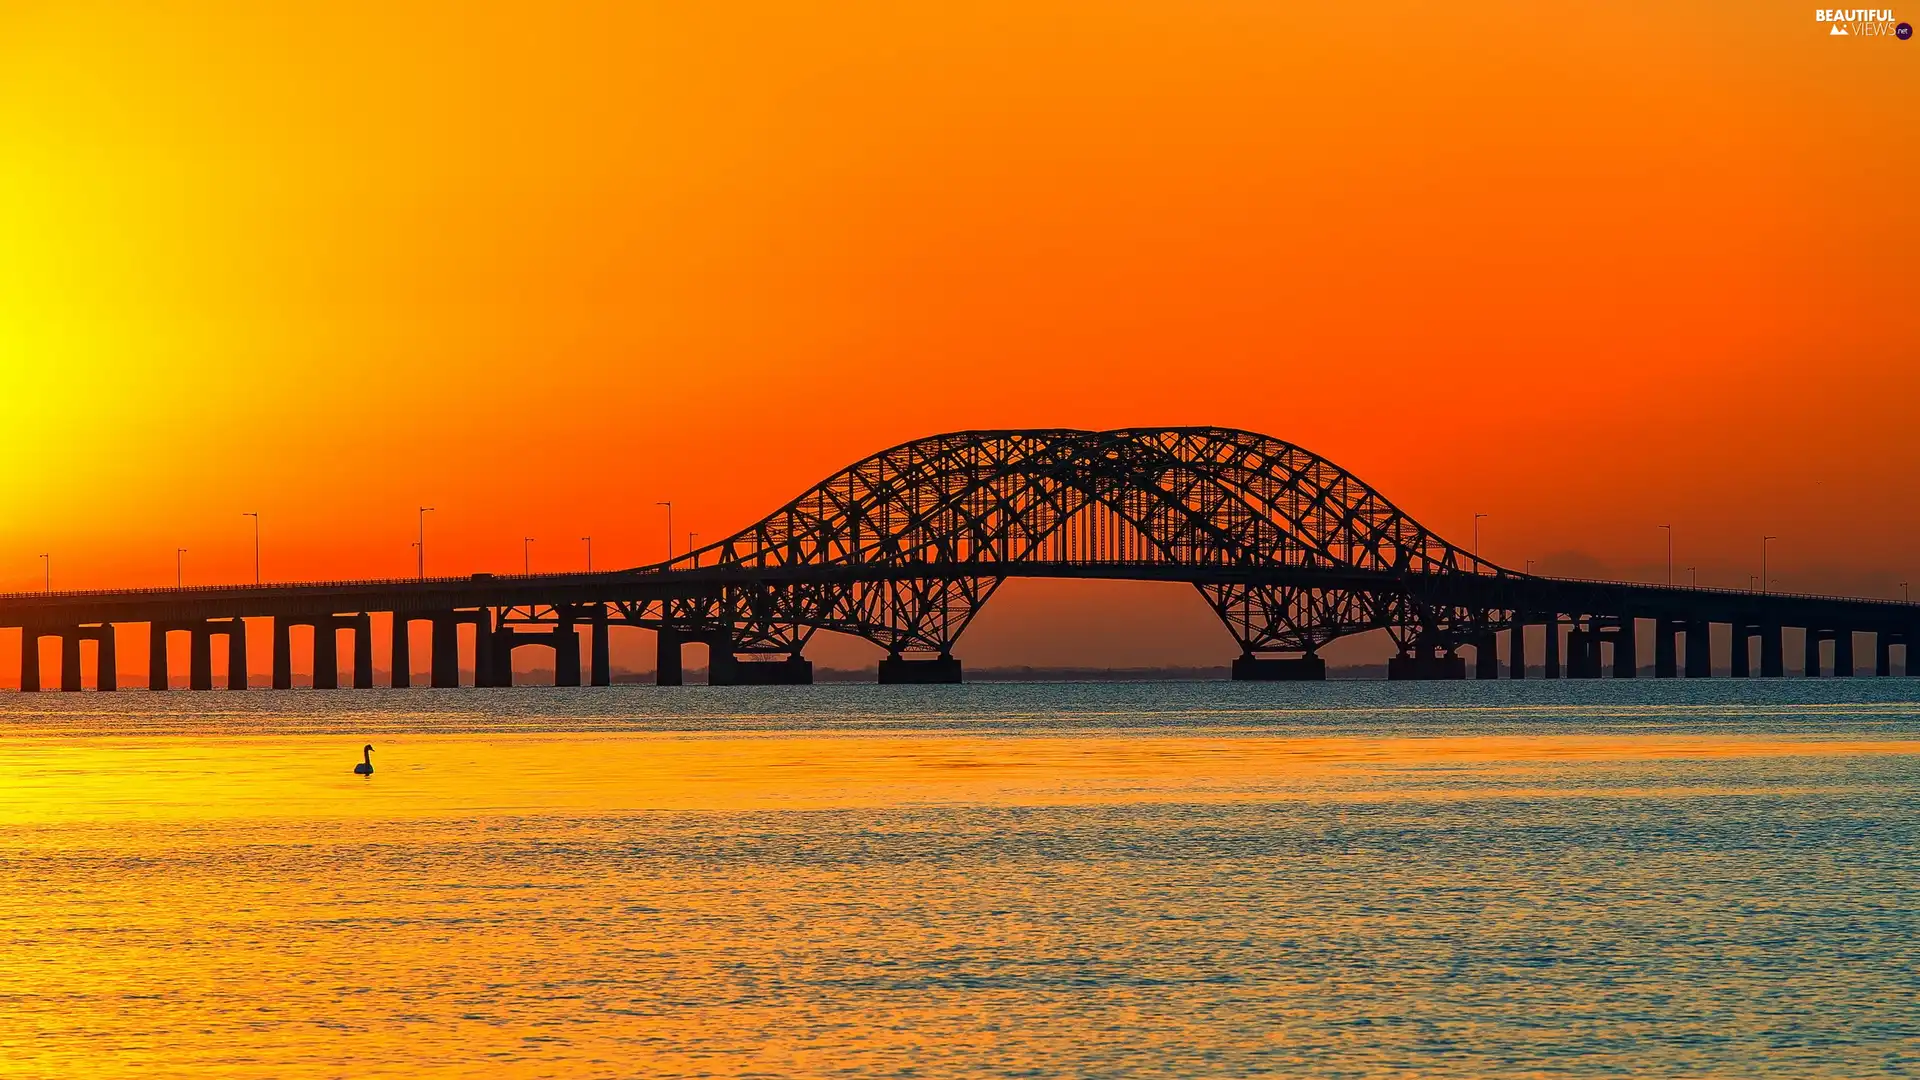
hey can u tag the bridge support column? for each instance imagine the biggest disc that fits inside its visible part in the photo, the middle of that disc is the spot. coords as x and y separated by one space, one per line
1583 648
666 670
446 651
1699 650
789 671
200 657
70 681
1882 654
1843 654
402 654
1772 663
1740 660
1517 648
1811 666
1424 666
29 660
902 671
1626 650
1486 657
1666 649
363 651
326 656
157 676
566 654
602 650
501 644
1308 668
282 653
106 670
487 659
1550 661
237 654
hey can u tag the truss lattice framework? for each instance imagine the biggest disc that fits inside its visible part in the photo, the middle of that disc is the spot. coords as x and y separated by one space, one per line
928 529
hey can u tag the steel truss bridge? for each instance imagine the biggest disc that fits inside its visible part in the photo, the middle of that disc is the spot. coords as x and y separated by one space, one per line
904 547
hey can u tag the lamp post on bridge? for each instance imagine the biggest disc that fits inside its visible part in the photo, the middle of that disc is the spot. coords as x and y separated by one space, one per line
1529 567
1763 562
526 555
690 538
48 559
1693 577
1476 534
1904 594
422 542
589 541
668 503
255 515
1669 529
179 568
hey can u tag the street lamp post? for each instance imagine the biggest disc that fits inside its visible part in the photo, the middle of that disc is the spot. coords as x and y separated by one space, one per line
690 537
256 543
48 559
1763 561
1693 577
668 503
1669 529
589 541
1476 534
179 568
1904 594
422 542
526 555
1529 568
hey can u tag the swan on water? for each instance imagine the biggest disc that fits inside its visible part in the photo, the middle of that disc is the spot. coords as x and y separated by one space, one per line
365 768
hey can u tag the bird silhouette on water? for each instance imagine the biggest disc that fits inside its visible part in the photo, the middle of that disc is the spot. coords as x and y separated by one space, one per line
365 768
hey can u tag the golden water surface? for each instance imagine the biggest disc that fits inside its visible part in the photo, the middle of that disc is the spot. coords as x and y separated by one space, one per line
1528 890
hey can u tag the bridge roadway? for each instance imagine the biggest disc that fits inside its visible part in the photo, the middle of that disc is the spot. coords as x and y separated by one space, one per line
1586 617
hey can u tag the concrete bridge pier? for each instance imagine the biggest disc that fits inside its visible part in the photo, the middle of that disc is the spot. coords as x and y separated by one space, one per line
158 677
1583 653
1810 666
1517 648
400 653
1772 662
362 651
1550 660
918 671
1626 657
1740 661
566 653
200 657
1699 650
1843 654
1425 663
1486 656
1666 648
70 681
446 650
1250 668
733 671
29 660
282 655
106 673
667 670
326 656
602 649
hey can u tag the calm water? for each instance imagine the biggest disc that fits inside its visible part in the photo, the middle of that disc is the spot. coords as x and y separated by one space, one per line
1200 879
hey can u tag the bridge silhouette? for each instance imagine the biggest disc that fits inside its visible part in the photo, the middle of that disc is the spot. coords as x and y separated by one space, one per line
904 547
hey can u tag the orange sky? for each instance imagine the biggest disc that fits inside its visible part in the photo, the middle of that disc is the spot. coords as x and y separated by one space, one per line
1584 268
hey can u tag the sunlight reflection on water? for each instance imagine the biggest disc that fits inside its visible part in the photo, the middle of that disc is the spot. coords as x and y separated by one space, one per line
1697 879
